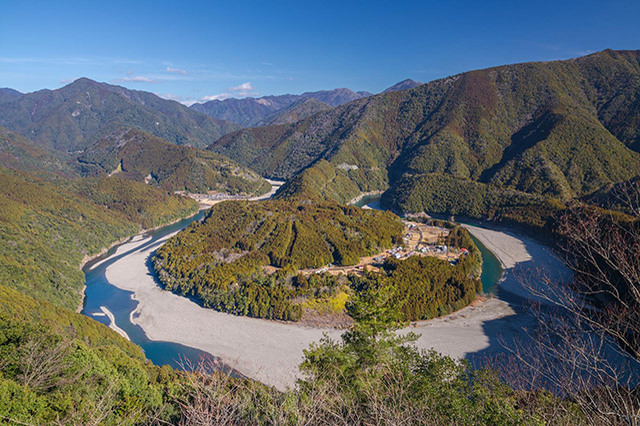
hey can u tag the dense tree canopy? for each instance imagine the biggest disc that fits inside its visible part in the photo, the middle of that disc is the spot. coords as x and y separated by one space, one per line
222 259
46 228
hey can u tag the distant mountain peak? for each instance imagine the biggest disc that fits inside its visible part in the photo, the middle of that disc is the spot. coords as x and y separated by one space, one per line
73 117
250 112
403 85
8 95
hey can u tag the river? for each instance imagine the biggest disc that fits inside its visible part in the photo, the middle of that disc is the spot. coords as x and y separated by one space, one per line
100 292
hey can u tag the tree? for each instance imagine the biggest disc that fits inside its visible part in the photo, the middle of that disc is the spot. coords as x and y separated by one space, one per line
586 345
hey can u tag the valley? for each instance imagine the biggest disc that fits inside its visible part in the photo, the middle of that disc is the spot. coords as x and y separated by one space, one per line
465 247
269 351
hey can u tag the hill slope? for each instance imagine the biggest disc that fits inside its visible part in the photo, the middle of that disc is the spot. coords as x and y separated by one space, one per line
140 156
297 111
7 95
46 229
19 153
558 129
77 115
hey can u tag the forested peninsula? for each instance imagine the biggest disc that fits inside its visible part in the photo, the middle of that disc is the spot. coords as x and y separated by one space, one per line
275 259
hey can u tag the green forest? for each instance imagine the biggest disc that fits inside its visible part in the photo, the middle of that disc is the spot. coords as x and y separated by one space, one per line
489 143
140 156
447 195
48 227
427 287
59 367
221 261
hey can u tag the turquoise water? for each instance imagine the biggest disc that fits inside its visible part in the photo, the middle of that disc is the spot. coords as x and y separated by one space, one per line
491 268
100 292
372 201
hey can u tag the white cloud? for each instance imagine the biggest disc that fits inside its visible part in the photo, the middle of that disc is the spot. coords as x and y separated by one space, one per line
241 91
136 79
218 97
177 70
244 87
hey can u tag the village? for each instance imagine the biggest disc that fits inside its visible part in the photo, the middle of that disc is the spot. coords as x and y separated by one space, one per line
211 198
419 240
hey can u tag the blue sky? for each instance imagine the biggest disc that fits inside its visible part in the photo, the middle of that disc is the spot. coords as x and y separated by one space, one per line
197 50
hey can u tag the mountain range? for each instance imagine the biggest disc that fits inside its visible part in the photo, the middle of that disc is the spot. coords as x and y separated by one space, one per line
560 130
76 116
250 112
557 129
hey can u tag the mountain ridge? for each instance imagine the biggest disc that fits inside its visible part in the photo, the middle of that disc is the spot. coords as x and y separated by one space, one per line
559 129
249 112
140 156
73 117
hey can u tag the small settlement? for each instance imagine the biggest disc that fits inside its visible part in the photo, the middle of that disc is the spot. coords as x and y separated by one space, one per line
419 240
211 198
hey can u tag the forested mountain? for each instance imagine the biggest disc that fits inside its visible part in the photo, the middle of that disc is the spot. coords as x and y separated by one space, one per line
19 153
403 85
297 111
554 129
249 112
140 156
336 97
47 227
77 115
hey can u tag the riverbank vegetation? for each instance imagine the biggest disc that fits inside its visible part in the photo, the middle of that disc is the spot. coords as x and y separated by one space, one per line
427 287
435 193
222 260
48 227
